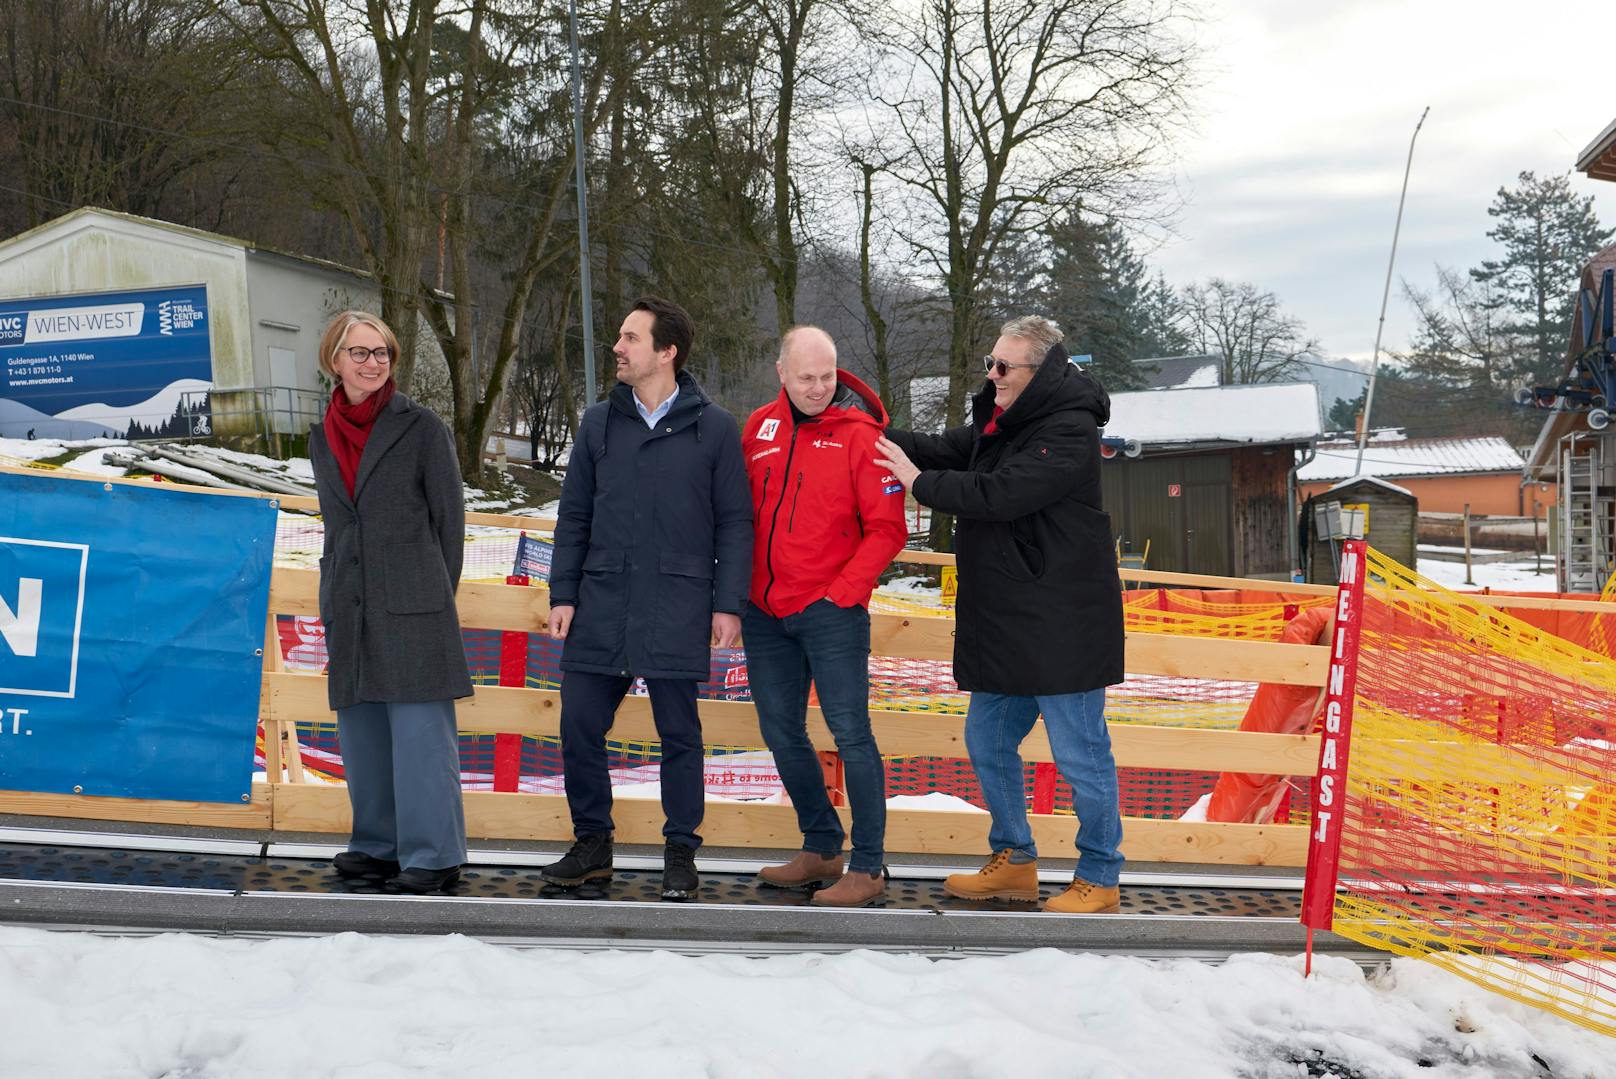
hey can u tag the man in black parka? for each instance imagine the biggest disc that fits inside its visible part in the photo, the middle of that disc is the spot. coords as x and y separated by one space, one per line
653 557
1039 623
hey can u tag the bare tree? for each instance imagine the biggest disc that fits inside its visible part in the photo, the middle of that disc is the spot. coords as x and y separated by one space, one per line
786 58
347 100
507 85
1008 111
110 102
1245 325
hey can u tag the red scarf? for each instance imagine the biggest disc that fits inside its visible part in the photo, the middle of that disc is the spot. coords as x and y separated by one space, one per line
992 426
347 427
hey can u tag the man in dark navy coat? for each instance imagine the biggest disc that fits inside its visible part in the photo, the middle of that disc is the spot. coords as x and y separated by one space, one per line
653 552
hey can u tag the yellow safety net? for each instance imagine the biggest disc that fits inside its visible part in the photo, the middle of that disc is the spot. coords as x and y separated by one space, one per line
1481 804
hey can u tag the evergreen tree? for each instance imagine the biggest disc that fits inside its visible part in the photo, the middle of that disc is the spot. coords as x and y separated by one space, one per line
1097 287
1548 233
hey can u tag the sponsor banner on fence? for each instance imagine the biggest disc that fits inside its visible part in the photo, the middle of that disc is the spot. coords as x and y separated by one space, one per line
533 554
131 622
124 364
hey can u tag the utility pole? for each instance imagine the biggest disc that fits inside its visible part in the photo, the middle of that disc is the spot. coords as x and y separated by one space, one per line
584 289
1374 365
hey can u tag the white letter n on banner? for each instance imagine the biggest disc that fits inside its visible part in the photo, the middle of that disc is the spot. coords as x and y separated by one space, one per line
21 627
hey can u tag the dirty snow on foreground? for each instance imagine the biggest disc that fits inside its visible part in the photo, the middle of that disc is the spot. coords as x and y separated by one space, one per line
189 1007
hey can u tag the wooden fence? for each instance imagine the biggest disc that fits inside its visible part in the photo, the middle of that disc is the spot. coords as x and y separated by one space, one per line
287 802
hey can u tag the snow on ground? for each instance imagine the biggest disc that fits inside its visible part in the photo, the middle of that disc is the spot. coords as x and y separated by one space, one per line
81 1005
37 449
1516 576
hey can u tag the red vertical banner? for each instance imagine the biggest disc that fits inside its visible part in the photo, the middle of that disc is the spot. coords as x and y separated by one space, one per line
512 672
1043 787
1330 784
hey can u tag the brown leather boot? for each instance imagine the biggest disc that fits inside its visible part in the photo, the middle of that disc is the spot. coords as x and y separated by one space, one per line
853 890
1086 897
999 879
805 869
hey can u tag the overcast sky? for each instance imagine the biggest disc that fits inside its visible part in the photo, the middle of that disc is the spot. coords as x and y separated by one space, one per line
1291 178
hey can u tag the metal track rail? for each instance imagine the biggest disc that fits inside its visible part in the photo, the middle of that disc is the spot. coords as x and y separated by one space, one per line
138 884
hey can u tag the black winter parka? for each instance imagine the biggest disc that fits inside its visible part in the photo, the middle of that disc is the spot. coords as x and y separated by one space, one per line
653 535
1040 605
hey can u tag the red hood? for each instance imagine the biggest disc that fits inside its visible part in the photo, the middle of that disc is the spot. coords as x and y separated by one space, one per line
853 399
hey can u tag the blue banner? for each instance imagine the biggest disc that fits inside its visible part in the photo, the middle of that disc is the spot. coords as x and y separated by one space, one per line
120 364
131 627
533 555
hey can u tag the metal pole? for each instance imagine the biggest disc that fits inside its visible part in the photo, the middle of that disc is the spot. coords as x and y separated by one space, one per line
1374 365
588 313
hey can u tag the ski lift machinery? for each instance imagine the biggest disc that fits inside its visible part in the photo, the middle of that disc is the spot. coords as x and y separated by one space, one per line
1588 387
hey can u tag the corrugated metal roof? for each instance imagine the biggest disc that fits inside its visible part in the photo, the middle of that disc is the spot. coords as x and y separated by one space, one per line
1412 457
1181 372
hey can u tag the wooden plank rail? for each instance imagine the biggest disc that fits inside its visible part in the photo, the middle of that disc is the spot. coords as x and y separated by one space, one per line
536 713
314 808
488 605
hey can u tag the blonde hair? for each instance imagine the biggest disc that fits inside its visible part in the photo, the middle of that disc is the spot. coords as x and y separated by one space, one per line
336 332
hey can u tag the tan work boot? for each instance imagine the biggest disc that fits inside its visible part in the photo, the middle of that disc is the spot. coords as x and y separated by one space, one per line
1086 897
999 879
805 869
853 890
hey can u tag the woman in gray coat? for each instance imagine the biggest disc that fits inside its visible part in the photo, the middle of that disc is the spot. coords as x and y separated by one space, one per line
390 493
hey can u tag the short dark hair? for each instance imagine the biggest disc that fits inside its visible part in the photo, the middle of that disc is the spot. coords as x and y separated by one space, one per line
670 325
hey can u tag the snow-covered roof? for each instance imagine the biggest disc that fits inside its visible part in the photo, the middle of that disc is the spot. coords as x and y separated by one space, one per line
1375 480
1260 414
1412 457
1181 372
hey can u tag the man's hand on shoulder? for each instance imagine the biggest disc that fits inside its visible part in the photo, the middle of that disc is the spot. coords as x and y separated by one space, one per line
560 620
726 629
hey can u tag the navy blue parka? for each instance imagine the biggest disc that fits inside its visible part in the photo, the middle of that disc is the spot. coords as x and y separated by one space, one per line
654 534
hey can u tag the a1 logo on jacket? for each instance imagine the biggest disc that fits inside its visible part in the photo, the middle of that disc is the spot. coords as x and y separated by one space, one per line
766 431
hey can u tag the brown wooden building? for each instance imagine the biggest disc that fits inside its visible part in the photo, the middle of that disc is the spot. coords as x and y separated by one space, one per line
1214 490
1392 523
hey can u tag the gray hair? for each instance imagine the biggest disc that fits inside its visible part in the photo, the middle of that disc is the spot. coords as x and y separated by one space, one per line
1041 335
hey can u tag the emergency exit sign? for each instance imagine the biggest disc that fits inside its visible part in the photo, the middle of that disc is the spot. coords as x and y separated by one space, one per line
1174 490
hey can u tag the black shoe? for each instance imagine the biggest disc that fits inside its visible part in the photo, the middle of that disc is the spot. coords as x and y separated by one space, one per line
589 859
426 881
353 863
679 880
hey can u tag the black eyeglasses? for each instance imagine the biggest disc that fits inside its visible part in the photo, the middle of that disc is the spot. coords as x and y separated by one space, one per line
991 364
382 355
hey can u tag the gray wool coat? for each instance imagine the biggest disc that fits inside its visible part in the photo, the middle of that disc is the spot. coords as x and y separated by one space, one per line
392 562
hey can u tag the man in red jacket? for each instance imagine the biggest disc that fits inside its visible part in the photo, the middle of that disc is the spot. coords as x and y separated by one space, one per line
826 521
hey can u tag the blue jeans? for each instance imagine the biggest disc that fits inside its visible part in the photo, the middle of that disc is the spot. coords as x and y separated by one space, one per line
831 646
995 726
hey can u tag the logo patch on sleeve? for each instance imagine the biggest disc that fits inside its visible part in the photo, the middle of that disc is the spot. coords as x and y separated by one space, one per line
892 488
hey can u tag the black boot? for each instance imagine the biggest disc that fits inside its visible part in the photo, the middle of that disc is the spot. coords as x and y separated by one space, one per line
426 881
353 863
589 859
679 880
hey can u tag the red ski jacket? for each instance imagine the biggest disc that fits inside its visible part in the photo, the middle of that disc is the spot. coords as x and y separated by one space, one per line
826 518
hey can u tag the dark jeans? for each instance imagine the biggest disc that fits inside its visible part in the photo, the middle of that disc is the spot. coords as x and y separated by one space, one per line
588 708
831 646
